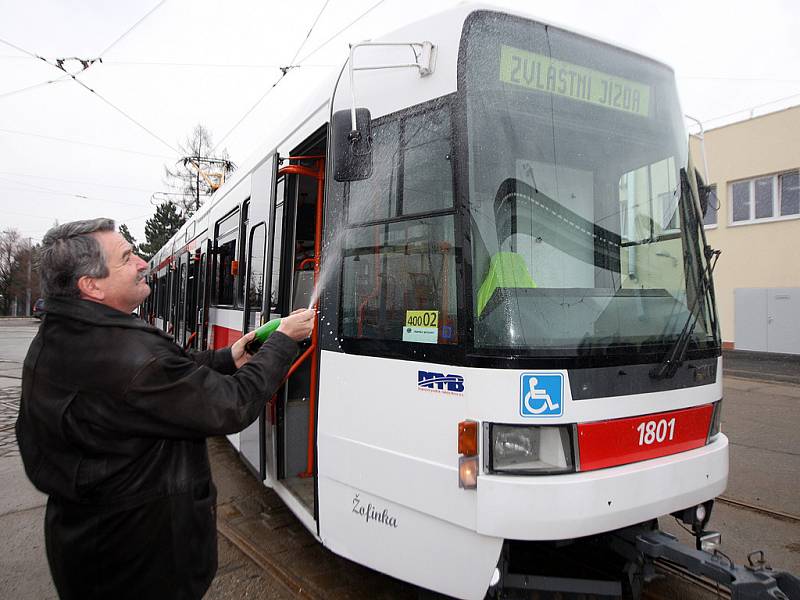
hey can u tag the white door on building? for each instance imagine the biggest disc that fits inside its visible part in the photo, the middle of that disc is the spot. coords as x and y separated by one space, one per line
767 319
783 320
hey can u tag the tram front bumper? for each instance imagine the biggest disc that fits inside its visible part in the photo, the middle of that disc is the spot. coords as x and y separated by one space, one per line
578 504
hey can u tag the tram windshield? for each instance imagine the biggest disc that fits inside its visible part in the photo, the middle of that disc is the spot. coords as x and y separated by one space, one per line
582 240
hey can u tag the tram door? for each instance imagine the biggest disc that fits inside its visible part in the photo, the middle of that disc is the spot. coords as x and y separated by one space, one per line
180 321
172 304
273 307
254 439
291 288
203 286
192 281
250 441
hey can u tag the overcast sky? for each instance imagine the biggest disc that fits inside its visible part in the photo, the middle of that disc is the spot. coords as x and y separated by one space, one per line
67 153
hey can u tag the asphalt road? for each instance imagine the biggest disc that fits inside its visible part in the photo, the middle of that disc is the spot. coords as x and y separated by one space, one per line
760 417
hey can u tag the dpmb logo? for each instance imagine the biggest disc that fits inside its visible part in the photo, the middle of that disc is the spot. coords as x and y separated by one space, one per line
541 395
448 384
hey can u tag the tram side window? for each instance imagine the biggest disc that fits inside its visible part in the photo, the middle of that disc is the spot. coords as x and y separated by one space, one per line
412 170
427 174
255 276
161 297
227 232
403 266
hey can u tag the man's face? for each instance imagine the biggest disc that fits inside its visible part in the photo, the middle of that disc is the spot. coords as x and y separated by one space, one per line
125 287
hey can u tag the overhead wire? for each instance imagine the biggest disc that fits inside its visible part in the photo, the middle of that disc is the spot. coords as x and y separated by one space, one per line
79 143
299 63
31 54
127 116
342 30
69 195
22 214
100 56
34 86
131 28
84 181
305 39
750 108
246 114
284 70
114 63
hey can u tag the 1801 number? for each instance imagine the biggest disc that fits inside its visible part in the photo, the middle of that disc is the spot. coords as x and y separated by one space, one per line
655 432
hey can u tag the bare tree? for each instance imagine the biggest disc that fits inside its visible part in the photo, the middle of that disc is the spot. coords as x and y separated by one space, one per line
19 279
196 174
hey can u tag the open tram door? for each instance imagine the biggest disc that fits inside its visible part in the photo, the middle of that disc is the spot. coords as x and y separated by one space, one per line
181 329
203 293
294 248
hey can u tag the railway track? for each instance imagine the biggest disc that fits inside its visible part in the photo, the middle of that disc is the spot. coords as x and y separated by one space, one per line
703 583
775 514
710 588
705 587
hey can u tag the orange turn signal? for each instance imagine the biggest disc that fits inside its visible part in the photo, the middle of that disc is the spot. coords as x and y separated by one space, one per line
468 438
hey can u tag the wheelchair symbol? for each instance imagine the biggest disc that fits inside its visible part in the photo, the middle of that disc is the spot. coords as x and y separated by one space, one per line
540 400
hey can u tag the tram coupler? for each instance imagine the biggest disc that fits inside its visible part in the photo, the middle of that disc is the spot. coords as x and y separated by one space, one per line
755 581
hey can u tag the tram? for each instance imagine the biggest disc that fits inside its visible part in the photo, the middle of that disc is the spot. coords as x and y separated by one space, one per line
517 340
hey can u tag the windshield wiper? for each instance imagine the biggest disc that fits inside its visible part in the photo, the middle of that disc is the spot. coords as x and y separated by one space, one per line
675 355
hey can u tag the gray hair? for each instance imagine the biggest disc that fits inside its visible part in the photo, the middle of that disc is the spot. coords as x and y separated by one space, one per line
69 252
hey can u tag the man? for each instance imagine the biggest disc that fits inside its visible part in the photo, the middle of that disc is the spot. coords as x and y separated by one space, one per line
113 421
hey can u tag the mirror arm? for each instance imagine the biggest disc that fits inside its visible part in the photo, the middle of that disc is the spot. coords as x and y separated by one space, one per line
702 139
423 61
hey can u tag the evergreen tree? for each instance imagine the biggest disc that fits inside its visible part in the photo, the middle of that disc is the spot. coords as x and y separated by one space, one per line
159 228
125 232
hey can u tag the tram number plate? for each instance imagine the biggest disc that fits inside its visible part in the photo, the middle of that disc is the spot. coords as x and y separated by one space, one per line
621 441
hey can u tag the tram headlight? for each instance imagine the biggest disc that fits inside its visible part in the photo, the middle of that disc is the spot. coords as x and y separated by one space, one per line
530 449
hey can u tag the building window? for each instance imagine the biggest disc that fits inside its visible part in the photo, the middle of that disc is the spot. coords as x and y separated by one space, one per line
789 184
765 198
740 201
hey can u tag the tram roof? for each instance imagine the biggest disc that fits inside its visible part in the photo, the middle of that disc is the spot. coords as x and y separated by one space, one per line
449 21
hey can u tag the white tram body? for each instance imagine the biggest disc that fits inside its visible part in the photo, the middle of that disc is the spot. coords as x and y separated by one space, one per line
526 353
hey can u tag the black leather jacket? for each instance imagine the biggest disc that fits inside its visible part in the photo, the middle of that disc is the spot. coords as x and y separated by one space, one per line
112 425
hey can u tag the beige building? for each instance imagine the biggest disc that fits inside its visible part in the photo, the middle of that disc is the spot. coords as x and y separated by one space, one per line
755 166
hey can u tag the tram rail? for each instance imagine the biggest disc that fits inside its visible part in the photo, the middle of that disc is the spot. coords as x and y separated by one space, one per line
672 570
775 514
292 583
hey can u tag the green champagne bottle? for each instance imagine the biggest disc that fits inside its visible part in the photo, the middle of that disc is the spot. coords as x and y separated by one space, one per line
262 333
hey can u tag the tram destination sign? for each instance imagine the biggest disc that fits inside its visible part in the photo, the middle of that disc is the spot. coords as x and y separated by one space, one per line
542 73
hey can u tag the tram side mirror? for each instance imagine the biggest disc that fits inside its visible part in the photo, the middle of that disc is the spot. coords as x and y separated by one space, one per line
352 148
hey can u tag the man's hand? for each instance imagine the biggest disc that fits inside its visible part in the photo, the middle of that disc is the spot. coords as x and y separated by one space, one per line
299 324
240 357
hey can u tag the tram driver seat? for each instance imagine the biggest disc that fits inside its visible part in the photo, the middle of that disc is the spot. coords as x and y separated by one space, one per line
506 270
